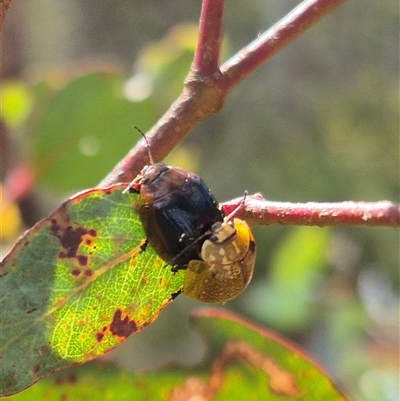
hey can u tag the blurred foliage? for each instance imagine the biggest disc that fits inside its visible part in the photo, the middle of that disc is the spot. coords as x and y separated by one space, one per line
287 299
257 361
82 129
162 66
16 102
319 122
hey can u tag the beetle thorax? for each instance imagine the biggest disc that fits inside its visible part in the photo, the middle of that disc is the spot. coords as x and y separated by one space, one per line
159 180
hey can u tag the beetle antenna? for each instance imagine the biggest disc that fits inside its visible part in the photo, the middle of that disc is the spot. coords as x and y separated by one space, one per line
148 152
147 143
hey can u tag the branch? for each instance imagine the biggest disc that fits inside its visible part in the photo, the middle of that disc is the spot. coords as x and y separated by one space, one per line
206 86
205 91
270 42
206 58
4 6
258 211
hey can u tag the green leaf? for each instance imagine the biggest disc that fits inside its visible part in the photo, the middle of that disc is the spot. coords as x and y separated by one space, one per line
243 359
98 381
263 364
76 285
82 129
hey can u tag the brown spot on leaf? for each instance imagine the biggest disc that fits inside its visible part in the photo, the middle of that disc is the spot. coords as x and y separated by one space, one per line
122 327
44 350
76 272
88 272
36 369
31 310
82 260
70 236
70 239
99 336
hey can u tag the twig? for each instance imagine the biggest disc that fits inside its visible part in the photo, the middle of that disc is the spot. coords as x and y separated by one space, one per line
206 87
206 58
204 93
273 40
258 211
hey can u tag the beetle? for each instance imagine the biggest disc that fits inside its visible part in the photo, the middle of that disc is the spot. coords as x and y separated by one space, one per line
226 265
177 211
188 230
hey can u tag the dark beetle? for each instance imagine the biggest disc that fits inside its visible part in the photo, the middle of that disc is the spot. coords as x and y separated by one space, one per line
177 211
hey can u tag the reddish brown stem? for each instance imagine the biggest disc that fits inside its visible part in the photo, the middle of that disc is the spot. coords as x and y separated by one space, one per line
258 211
204 94
206 88
192 106
278 36
206 58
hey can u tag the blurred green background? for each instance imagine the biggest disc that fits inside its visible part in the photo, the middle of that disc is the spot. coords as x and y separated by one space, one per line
319 122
